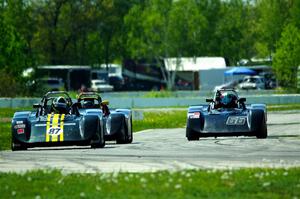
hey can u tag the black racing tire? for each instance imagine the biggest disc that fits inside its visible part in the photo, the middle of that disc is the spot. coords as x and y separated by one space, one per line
17 146
122 135
100 141
262 132
191 135
129 132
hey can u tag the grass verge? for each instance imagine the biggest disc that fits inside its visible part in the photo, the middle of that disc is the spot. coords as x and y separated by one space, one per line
243 183
283 107
161 119
5 135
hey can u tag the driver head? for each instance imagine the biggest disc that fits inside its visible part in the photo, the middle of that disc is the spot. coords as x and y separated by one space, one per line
59 105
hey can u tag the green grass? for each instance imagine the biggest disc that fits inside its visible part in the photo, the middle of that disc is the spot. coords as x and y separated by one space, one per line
5 135
9 112
283 107
159 94
168 119
243 183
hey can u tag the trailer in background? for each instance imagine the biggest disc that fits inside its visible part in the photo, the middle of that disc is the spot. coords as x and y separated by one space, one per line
194 73
143 74
75 77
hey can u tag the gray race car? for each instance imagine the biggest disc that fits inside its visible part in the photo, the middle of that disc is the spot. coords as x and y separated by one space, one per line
226 115
117 123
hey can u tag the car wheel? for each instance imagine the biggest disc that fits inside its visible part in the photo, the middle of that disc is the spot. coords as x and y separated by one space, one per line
17 146
100 141
191 135
262 132
129 132
122 136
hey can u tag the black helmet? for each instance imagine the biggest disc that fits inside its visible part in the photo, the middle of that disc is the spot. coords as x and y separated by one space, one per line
59 105
88 104
228 100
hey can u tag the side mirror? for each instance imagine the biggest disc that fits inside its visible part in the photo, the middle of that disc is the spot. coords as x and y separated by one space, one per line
105 102
209 100
36 106
242 100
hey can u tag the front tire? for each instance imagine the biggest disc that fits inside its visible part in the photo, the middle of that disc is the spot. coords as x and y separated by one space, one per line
100 141
17 146
191 135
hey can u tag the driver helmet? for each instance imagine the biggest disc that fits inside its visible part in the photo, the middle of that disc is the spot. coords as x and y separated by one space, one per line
59 105
229 100
88 104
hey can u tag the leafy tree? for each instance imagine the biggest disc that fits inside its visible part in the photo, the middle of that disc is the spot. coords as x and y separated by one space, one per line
272 17
165 29
14 56
110 29
232 35
12 44
211 10
295 13
286 57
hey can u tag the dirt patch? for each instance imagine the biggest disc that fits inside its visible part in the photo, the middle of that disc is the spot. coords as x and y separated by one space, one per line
5 119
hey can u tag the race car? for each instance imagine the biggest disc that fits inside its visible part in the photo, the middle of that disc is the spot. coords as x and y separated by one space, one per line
226 115
117 124
56 122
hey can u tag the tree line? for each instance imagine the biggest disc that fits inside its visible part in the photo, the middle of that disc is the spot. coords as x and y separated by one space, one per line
91 32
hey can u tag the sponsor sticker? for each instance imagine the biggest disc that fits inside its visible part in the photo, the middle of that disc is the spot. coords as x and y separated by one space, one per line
194 115
19 126
236 120
20 131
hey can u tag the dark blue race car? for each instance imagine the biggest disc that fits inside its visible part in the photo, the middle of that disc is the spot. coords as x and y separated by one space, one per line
57 121
226 115
116 123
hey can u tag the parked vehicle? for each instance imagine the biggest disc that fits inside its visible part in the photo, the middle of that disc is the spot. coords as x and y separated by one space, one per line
48 84
229 85
252 82
101 86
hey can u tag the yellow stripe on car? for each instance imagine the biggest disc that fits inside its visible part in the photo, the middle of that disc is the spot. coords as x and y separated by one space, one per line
61 135
48 127
55 125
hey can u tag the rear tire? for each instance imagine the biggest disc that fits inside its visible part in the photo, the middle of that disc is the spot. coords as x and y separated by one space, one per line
129 132
191 135
122 137
262 132
125 135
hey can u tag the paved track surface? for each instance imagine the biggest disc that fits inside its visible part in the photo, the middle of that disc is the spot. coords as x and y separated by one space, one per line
168 149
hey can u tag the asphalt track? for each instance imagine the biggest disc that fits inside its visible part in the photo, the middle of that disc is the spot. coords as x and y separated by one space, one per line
168 149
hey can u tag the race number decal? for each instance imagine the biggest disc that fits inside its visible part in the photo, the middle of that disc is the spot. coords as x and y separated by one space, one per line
236 120
54 131
55 128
